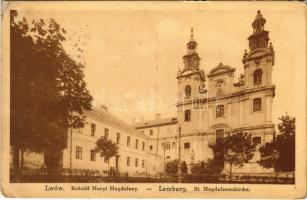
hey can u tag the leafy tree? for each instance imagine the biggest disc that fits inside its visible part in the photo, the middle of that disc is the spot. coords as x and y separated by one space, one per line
198 168
280 152
48 93
236 149
106 148
211 166
172 167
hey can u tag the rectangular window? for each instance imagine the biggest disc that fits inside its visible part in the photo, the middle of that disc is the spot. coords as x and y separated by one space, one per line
143 163
78 153
150 147
93 155
257 104
168 145
106 133
93 129
118 138
187 115
128 141
143 146
136 162
220 111
136 143
128 161
151 132
186 145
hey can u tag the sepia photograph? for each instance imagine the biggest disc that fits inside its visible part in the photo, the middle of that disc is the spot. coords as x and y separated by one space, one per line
112 96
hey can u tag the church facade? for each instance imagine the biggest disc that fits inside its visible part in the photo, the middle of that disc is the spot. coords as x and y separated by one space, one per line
214 105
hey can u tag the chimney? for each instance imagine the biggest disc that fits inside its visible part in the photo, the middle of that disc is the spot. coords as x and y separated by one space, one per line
158 116
104 108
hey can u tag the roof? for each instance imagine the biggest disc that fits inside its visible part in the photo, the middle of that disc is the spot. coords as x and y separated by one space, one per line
156 122
108 118
258 53
189 71
221 69
192 39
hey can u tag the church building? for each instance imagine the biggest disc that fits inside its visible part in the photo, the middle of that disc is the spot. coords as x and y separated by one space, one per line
214 105
209 106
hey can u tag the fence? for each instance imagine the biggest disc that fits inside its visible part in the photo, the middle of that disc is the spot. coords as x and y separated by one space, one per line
252 178
81 175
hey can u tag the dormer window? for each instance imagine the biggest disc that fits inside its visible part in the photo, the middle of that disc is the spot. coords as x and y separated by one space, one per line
258 77
188 91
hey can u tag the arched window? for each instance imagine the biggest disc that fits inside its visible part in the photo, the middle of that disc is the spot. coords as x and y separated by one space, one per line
257 104
219 133
219 111
219 155
258 77
187 115
187 91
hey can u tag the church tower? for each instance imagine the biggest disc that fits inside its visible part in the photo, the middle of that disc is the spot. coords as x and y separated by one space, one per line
191 83
259 61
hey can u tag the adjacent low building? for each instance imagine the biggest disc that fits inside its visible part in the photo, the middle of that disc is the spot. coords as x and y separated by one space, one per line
132 146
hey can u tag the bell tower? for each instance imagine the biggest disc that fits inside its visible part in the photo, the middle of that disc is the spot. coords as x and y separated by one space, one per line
191 82
191 59
259 60
190 79
260 37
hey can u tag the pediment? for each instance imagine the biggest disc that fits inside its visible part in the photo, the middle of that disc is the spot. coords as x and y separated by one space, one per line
221 69
224 126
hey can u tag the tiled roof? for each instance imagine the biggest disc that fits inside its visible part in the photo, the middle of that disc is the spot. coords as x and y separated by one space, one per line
109 118
156 122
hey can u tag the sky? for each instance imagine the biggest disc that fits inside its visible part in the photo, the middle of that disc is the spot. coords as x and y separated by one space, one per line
132 55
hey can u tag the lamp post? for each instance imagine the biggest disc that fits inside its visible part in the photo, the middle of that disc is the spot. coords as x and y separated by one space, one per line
179 155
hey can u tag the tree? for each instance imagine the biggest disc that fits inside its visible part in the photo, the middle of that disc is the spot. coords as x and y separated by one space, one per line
234 150
48 93
211 166
280 152
171 167
106 148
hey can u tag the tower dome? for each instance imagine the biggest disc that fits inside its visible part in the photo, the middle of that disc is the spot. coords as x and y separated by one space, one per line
258 24
192 44
260 37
